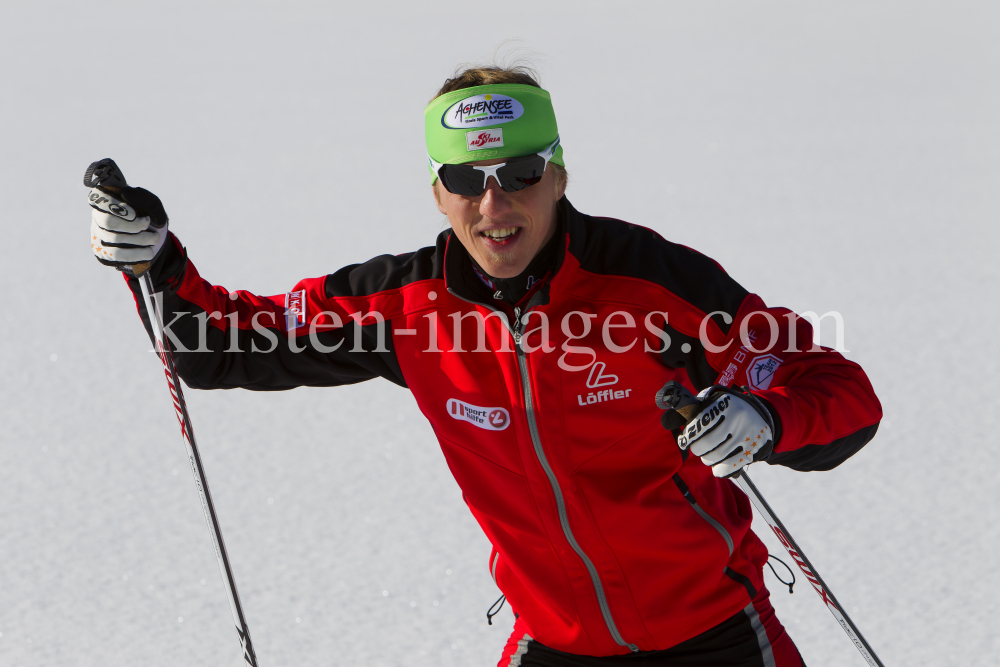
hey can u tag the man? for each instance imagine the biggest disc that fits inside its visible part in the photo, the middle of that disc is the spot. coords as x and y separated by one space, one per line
534 338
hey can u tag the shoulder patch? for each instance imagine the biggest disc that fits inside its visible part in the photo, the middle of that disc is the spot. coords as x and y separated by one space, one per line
761 370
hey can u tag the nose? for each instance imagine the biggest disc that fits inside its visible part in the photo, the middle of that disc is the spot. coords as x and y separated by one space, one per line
495 201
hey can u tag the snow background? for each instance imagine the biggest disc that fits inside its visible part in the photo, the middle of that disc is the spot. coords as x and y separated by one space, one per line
836 156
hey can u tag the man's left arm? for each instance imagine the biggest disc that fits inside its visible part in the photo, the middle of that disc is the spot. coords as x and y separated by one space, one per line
824 407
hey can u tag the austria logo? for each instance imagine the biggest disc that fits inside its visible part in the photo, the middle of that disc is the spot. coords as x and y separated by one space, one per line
491 419
483 139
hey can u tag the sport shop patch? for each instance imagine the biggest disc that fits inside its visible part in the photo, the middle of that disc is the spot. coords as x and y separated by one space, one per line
761 371
482 139
295 310
491 419
480 110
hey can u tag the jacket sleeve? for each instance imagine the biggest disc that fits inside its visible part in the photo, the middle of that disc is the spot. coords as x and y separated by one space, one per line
307 337
825 406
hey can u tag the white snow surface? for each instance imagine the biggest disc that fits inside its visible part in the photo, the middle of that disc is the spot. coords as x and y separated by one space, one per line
831 155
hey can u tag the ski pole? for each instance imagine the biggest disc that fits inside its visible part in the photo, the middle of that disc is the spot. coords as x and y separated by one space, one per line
795 551
674 396
111 179
197 470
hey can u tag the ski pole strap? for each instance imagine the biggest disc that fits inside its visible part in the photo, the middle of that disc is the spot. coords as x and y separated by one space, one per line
796 554
498 605
789 584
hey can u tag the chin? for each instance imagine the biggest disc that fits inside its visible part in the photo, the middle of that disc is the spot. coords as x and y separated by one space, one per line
502 265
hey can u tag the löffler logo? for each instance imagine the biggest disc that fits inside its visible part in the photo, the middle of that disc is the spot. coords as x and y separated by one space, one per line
596 379
491 419
483 139
295 309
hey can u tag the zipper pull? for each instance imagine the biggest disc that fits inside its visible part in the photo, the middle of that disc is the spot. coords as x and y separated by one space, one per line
517 325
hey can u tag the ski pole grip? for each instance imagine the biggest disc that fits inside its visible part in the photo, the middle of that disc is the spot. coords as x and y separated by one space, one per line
675 396
104 174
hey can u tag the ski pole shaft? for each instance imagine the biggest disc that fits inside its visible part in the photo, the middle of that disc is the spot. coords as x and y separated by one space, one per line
107 177
795 551
197 470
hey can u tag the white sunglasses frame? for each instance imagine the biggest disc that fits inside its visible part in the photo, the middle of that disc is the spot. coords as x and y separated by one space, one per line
491 170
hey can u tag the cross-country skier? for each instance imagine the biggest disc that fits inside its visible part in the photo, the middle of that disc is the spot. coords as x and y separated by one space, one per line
535 338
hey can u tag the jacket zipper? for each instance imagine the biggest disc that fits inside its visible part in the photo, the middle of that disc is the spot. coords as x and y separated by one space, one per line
522 366
683 488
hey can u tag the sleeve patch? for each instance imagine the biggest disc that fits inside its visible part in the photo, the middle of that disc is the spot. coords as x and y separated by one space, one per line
728 375
761 370
295 309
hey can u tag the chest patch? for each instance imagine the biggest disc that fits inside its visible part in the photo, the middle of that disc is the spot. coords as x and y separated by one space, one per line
491 419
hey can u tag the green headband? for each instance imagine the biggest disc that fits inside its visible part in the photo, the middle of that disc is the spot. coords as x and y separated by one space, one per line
485 122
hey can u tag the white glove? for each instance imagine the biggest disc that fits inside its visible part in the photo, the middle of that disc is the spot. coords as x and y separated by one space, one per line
127 225
731 429
119 235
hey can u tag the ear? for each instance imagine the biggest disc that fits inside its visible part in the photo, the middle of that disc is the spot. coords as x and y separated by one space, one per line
560 185
437 196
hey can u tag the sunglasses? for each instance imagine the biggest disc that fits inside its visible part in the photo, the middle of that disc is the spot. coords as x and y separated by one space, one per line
514 175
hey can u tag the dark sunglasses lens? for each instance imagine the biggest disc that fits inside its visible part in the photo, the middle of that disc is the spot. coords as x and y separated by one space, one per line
521 172
461 179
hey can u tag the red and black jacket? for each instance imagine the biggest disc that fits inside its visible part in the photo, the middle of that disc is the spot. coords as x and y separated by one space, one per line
606 539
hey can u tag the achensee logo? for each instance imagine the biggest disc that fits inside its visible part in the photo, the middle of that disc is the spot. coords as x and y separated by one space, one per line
480 110
478 140
491 419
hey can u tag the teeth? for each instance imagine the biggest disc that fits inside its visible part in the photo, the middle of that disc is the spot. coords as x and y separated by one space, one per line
501 234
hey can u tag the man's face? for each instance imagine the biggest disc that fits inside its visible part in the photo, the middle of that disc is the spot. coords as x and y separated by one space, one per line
503 231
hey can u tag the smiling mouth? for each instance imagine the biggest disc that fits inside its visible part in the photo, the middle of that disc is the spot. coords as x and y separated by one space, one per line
500 235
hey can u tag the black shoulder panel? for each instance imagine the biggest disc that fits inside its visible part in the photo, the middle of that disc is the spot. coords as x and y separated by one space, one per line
387 272
824 457
612 247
